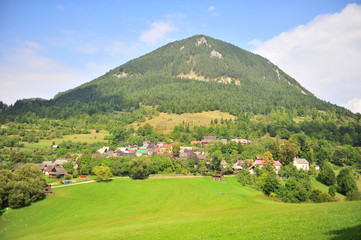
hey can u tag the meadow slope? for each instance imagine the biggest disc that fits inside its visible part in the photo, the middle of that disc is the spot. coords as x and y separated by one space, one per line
196 208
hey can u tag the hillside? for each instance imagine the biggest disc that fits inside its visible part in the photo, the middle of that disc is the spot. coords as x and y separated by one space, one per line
192 75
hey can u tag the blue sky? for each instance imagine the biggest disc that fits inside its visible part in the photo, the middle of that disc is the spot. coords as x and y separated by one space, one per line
52 46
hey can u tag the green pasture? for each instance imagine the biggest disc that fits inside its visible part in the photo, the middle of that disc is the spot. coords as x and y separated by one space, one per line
177 208
92 137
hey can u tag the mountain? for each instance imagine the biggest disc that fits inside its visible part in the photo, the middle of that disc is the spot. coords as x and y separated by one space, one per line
192 75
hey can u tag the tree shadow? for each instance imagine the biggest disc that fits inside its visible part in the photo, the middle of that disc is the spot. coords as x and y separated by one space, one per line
346 233
104 181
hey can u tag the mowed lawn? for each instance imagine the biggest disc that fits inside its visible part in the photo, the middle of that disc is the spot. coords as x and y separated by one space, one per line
183 208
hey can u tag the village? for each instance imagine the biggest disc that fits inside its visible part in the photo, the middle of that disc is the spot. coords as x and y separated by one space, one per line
196 152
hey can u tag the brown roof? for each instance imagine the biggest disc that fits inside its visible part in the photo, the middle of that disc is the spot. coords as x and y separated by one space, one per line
300 161
58 170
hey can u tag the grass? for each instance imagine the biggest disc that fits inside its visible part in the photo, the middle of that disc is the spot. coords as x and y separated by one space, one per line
165 122
93 137
176 209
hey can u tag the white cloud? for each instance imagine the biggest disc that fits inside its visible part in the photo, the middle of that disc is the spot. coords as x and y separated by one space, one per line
60 7
354 105
213 11
38 76
255 43
323 55
157 32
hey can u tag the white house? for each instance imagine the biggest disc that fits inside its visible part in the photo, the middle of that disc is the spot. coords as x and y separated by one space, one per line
103 150
301 163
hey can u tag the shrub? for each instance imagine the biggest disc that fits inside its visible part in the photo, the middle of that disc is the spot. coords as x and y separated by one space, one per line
246 177
139 168
324 197
227 170
332 190
314 195
346 182
68 177
326 175
353 196
102 172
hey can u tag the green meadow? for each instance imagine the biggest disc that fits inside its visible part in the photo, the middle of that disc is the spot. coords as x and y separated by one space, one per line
176 208
92 137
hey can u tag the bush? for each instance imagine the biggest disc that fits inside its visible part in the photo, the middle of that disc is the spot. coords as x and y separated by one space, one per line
227 170
68 177
270 183
332 191
353 196
139 168
326 175
246 177
324 197
346 182
314 195
102 172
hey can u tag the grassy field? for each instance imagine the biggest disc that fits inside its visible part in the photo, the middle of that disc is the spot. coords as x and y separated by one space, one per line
166 122
93 137
197 208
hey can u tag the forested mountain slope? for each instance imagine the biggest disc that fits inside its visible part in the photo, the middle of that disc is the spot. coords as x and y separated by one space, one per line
192 75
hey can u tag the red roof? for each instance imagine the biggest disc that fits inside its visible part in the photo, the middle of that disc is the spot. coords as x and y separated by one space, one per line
277 163
259 162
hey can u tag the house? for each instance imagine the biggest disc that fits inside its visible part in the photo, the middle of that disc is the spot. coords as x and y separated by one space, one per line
141 152
47 190
187 154
207 139
60 161
242 141
224 164
224 141
196 142
301 163
278 165
103 150
148 144
248 163
127 154
57 172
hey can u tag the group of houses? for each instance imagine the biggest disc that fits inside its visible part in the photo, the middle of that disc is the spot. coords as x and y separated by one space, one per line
52 169
208 139
250 164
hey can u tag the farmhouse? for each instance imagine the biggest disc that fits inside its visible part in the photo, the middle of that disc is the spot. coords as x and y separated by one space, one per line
57 172
301 163
224 164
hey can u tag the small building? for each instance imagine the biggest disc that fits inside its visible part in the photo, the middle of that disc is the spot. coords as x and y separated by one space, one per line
301 163
196 142
60 161
103 150
224 141
242 141
141 152
224 164
47 190
57 172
